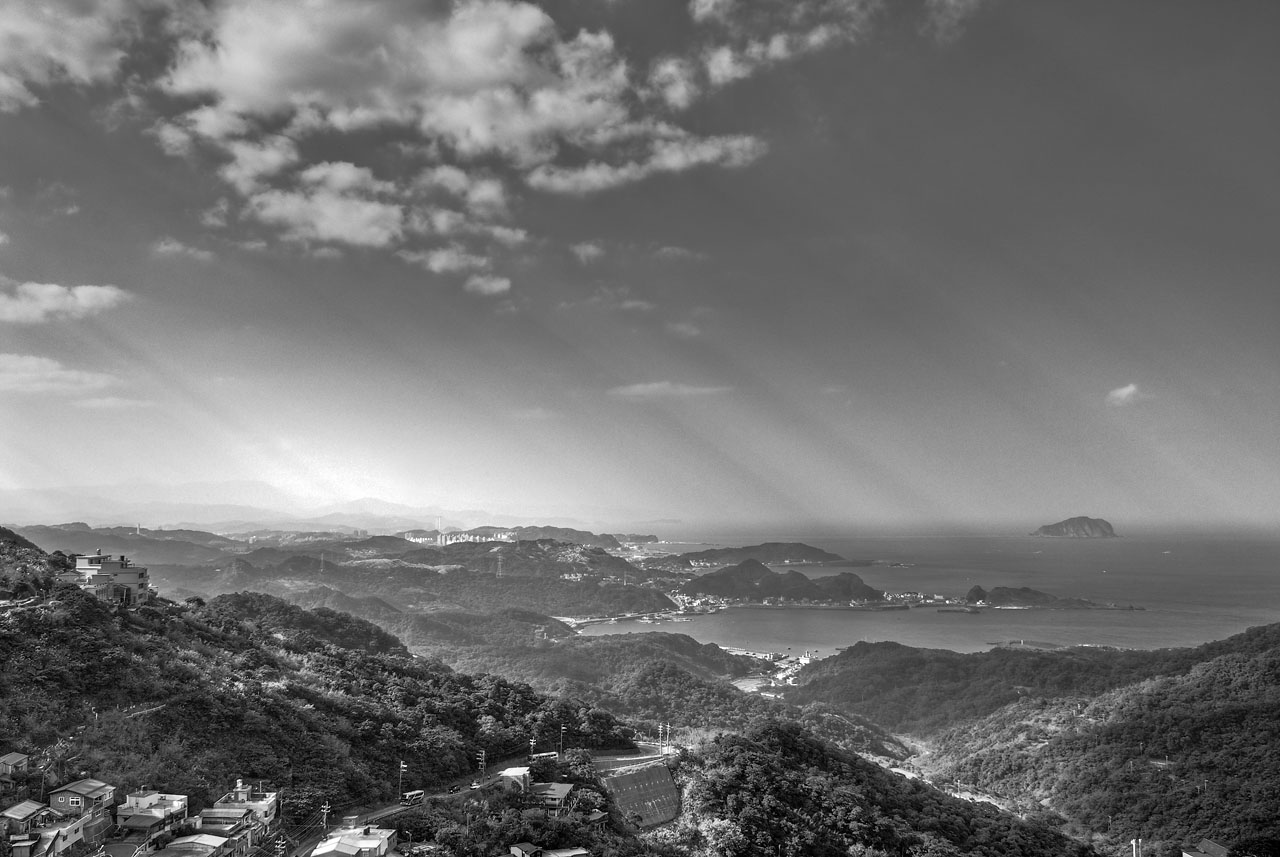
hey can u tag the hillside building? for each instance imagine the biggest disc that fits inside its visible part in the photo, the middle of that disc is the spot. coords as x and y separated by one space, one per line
263 805
111 578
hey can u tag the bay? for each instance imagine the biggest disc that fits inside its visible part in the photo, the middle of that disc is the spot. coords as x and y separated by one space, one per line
1193 589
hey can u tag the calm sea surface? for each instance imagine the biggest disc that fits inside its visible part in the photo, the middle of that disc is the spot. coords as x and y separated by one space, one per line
1193 590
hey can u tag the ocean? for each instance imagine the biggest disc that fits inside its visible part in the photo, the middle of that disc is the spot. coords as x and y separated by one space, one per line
1192 589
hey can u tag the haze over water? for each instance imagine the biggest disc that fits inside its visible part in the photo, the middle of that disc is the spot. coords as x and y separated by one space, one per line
1193 589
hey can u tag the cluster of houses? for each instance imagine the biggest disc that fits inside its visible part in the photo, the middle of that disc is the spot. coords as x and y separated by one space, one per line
84 817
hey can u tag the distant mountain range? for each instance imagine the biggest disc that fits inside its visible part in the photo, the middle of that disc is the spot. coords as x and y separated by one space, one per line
238 507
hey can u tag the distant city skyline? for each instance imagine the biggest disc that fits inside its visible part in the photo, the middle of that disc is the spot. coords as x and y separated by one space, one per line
812 265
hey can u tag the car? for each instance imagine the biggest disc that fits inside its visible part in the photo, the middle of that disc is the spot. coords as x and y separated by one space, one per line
453 789
475 784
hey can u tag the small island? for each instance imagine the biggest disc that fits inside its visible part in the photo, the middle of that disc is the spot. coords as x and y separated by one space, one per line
1079 527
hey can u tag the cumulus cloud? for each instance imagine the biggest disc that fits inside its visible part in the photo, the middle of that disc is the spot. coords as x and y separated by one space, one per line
33 303
486 285
675 80
26 373
588 252
62 41
1126 395
665 390
172 247
753 37
445 260
323 214
667 156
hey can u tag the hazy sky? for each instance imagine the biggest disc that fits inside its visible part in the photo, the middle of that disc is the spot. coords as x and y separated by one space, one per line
818 262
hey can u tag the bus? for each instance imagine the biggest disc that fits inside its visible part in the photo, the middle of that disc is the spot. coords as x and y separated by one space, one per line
533 757
413 798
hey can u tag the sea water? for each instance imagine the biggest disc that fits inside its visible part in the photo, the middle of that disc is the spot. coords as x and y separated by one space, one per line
1192 590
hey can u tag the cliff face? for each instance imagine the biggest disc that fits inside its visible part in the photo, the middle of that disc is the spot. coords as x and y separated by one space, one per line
1077 528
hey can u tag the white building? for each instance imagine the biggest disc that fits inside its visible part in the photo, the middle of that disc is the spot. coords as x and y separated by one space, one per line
111 578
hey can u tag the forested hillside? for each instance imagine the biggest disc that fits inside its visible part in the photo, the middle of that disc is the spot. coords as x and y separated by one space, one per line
472 584
923 690
777 791
247 686
1173 758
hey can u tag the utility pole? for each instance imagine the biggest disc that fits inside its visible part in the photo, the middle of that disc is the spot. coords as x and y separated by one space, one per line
531 743
400 785
325 809
480 760
560 751
1137 846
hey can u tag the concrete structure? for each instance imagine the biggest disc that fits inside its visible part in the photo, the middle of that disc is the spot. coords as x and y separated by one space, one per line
357 842
262 804
144 816
111 578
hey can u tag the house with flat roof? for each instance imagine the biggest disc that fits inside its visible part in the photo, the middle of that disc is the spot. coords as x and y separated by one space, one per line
262 804
111 578
148 809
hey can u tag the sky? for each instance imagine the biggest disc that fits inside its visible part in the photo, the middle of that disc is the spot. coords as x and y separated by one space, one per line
836 264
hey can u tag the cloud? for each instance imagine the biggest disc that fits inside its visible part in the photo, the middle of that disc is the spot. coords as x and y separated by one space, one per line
944 19
675 80
665 390
446 259
1126 395
672 253
685 329
172 247
25 373
588 252
323 214
33 303
112 403
667 156
215 216
483 284
56 41
4 239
